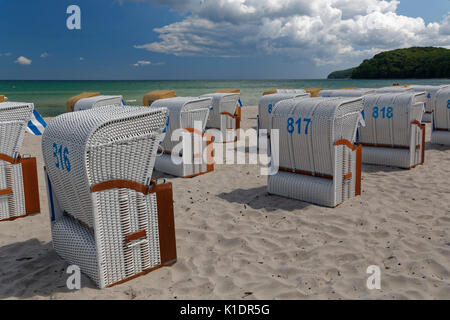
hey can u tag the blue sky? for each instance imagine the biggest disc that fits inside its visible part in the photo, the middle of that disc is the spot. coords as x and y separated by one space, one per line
209 39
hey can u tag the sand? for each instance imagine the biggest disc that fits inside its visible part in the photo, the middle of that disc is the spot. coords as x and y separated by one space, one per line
234 241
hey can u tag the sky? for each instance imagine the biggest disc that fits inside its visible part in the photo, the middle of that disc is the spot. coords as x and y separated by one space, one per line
209 39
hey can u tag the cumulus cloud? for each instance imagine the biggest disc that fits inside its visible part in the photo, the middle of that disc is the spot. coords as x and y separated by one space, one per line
142 63
23 61
322 31
44 55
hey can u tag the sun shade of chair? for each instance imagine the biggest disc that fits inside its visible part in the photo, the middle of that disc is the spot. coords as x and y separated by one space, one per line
393 89
440 133
318 159
346 92
267 102
313 91
97 101
107 216
430 101
3 98
222 114
19 190
152 96
282 90
183 113
393 134
73 100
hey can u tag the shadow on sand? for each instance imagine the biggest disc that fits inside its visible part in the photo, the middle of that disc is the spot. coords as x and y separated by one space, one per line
32 268
258 198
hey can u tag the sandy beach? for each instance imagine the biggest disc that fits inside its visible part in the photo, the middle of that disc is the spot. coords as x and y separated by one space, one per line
234 241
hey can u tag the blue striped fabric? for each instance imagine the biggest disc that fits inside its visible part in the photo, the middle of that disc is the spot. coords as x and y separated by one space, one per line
37 124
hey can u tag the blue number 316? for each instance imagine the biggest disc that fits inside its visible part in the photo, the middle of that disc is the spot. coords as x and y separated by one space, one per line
61 155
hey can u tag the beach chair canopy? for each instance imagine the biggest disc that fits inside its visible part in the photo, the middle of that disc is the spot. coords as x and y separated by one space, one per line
97 101
3 98
267 102
222 103
442 110
308 129
152 96
313 92
389 118
183 113
14 117
357 92
393 89
282 90
73 100
83 149
431 92
228 91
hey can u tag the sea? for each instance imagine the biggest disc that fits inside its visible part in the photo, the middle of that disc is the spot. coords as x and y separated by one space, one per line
49 97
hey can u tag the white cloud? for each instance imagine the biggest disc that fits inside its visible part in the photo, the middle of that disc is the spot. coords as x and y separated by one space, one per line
44 55
81 59
23 61
142 63
321 31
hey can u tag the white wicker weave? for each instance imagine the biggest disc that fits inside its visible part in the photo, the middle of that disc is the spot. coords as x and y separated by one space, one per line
97 101
90 225
430 101
440 133
393 89
14 117
267 103
393 135
222 113
318 161
358 92
184 112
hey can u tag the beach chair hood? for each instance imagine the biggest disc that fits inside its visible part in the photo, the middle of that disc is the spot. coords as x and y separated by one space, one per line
267 102
97 101
221 103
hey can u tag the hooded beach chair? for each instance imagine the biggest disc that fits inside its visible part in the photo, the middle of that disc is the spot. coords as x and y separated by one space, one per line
89 100
317 158
237 113
440 133
393 134
430 101
107 215
222 115
152 96
19 190
313 92
3 98
188 115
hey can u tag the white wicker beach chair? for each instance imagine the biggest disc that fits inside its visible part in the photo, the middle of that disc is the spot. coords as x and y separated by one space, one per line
19 190
184 112
318 159
222 114
393 134
281 90
107 216
89 100
430 101
440 133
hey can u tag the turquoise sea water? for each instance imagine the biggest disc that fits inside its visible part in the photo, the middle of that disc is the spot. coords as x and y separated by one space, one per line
50 97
